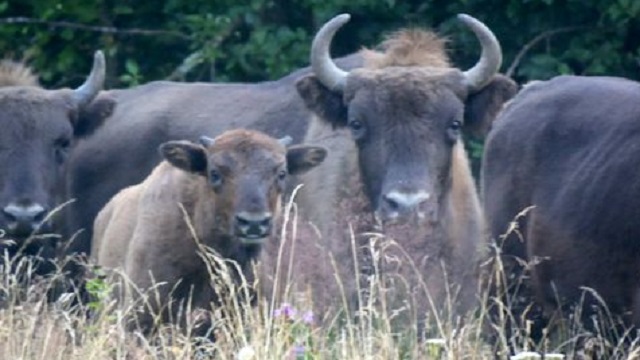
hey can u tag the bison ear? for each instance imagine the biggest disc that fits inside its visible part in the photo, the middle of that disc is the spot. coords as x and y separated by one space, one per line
483 106
302 158
327 104
92 116
185 155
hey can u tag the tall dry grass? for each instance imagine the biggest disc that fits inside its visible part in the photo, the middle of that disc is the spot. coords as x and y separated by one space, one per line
31 327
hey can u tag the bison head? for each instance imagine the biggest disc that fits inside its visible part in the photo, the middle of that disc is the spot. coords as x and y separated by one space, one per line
405 111
38 128
246 173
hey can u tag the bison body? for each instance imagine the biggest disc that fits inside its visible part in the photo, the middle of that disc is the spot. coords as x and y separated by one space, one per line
123 152
397 167
568 148
225 196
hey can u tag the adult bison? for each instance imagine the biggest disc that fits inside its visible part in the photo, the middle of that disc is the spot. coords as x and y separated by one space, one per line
569 148
228 187
396 159
123 152
39 127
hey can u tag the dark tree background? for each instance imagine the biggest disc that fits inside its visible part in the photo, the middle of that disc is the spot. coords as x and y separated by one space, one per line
253 40
250 40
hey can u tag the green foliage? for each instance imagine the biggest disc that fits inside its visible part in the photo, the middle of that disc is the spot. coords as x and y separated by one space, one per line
98 289
132 74
252 40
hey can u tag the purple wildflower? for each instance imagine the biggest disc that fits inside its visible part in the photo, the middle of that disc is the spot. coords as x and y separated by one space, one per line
307 317
287 311
297 352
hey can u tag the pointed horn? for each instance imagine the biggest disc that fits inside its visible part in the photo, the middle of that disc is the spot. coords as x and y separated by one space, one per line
483 71
329 74
206 141
285 141
84 94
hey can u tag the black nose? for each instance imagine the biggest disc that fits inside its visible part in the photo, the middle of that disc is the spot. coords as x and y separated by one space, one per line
253 226
23 218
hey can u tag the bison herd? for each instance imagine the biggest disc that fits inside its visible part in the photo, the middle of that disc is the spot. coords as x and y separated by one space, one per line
135 179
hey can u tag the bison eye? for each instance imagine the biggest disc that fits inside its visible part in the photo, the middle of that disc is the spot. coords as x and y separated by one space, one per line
61 149
356 125
453 132
357 128
215 178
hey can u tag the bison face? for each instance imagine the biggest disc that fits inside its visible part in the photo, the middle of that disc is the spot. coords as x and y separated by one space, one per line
405 123
37 131
405 110
245 172
33 148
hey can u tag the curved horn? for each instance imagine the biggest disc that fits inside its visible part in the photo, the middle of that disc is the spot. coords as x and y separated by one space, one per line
206 141
329 74
285 141
490 60
84 94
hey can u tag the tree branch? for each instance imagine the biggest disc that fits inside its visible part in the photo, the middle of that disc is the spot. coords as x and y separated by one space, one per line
528 46
101 29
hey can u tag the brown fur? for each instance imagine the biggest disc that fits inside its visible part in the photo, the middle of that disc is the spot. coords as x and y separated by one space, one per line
409 47
123 152
406 97
324 265
14 73
143 230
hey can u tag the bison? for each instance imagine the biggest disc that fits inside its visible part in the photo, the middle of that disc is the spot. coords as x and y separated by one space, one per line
230 189
397 166
567 147
39 128
123 152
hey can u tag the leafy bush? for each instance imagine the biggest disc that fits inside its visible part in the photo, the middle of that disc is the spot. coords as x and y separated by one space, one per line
253 40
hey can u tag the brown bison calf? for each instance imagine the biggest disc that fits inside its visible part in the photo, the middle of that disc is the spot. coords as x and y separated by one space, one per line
228 187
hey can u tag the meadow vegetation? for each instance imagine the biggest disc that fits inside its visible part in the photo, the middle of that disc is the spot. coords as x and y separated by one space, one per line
33 328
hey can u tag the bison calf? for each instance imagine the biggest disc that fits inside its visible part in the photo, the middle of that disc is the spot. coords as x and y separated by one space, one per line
229 188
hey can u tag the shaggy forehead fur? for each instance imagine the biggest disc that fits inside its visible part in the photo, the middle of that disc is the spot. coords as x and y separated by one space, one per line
246 142
16 74
411 65
408 47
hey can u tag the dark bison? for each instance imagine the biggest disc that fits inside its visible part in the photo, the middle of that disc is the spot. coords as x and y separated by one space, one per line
230 189
569 148
39 128
123 152
396 159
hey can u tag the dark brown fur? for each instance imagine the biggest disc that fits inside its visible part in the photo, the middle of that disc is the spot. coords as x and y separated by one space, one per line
38 128
569 147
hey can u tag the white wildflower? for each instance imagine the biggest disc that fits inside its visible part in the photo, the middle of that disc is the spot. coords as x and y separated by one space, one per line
246 353
526 355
